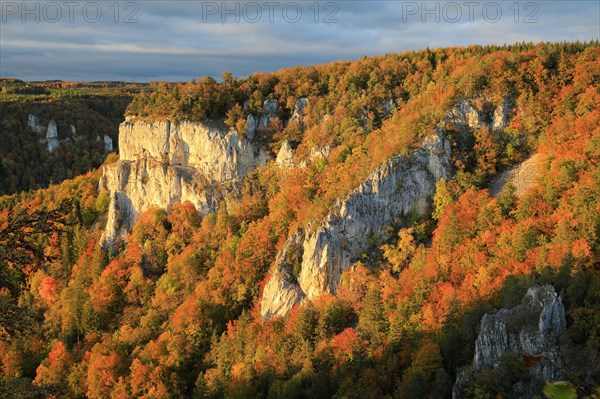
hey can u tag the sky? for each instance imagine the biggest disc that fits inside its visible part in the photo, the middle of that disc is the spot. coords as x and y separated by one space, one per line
153 40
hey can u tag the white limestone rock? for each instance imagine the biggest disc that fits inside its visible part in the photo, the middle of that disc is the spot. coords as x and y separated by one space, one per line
162 163
319 152
269 112
502 114
108 143
531 329
545 316
299 108
52 141
250 127
285 156
465 114
51 138
282 287
33 124
389 194
316 153
207 146
137 185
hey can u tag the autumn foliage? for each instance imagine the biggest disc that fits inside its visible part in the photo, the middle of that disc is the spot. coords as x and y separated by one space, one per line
173 310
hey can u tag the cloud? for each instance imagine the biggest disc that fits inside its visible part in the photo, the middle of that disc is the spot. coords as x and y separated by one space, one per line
181 40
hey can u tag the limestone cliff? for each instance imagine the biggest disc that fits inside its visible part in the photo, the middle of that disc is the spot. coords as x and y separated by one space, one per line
531 331
51 139
165 162
209 147
392 191
476 114
285 156
395 189
283 289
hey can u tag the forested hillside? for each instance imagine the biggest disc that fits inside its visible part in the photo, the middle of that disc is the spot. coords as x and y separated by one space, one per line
52 131
173 310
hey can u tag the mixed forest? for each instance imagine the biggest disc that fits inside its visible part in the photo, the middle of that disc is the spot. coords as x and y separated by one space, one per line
173 310
82 112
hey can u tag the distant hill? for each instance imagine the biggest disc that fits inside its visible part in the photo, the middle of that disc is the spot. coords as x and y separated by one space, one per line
84 117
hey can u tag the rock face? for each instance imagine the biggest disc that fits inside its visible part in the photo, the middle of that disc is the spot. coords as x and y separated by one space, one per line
52 137
391 192
68 134
538 333
283 287
250 127
32 122
285 156
208 147
162 163
269 112
466 114
108 143
388 106
299 108
395 189
522 176
502 114
530 330
319 152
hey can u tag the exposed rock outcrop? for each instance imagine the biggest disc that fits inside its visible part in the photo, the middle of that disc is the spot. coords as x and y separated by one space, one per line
522 176
531 331
391 192
502 114
299 108
316 153
395 189
319 152
283 286
68 133
108 143
269 112
162 163
250 127
206 146
466 114
285 156
51 140
33 123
